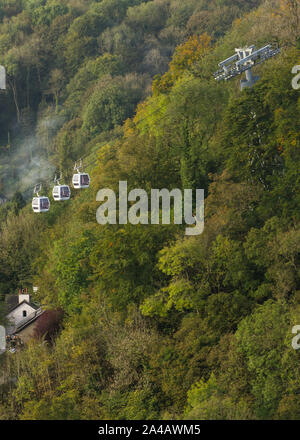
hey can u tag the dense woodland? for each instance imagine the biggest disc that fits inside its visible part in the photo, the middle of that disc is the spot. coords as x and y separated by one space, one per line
153 324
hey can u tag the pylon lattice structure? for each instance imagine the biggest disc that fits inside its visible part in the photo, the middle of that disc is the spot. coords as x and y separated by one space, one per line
243 61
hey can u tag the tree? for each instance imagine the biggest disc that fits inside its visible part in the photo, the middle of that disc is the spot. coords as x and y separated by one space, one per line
48 325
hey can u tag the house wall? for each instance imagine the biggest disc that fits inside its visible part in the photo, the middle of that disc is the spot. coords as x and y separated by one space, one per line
28 332
2 78
17 315
2 339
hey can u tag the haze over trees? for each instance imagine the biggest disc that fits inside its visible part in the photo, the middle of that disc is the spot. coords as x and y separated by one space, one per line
155 325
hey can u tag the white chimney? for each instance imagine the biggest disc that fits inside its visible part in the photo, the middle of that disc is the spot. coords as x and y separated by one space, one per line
24 295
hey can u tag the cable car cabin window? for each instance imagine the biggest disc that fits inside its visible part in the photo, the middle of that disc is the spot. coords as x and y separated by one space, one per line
64 191
84 179
44 203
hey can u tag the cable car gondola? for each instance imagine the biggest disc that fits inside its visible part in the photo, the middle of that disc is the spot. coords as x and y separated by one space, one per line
80 180
61 192
40 203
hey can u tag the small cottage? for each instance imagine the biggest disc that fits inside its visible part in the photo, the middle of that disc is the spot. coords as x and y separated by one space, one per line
22 317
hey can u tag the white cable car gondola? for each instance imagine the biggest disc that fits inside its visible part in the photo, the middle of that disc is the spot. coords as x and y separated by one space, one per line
61 192
40 203
80 180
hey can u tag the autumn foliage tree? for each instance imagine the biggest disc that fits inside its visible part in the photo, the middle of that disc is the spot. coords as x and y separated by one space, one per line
186 54
48 324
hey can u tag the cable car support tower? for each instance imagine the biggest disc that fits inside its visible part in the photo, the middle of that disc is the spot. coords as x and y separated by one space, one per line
243 61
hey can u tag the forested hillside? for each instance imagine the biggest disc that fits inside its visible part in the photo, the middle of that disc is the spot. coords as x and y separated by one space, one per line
156 325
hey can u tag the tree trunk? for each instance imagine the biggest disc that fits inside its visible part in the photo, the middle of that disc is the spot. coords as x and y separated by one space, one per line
14 89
